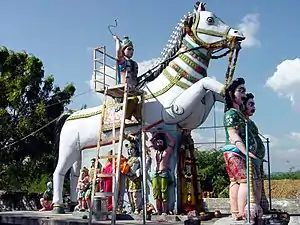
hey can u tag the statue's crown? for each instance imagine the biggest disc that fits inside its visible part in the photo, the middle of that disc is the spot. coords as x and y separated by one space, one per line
126 42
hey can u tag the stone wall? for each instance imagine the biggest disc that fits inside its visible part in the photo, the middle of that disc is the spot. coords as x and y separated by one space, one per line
17 201
288 205
21 201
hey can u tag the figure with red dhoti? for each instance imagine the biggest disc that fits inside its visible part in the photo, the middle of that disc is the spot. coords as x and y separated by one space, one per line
235 153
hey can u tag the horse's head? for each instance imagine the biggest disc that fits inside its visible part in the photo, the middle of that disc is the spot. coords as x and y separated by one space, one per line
209 31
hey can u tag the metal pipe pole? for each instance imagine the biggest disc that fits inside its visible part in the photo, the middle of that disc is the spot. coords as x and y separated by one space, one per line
269 173
248 170
215 129
144 164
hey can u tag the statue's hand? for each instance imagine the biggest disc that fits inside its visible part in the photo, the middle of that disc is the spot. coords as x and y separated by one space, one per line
116 37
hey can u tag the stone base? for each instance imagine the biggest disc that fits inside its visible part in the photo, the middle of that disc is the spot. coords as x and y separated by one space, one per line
48 218
229 221
267 219
58 210
139 217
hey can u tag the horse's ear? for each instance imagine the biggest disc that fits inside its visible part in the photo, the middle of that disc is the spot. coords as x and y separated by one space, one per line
196 6
201 7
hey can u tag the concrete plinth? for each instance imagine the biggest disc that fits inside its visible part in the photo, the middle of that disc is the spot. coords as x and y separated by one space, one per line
229 221
49 218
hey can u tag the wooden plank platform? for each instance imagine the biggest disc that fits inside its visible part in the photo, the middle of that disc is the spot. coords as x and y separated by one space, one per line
117 91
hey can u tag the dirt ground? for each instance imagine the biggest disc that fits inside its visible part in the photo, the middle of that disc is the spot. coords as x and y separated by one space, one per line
283 188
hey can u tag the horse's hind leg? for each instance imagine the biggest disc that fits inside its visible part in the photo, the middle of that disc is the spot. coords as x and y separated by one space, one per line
74 175
67 156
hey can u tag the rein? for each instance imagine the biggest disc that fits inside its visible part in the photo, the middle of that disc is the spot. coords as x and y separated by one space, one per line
218 46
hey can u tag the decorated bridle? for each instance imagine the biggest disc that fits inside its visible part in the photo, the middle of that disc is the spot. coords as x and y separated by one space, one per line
191 27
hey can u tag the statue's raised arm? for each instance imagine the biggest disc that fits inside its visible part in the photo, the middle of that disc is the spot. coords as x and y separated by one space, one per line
127 66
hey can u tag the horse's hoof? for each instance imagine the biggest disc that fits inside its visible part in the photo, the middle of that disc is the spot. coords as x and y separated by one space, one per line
58 209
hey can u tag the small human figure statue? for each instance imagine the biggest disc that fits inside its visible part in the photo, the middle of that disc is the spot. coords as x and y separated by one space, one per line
92 172
249 110
161 146
82 188
127 72
107 182
46 200
88 193
134 176
235 151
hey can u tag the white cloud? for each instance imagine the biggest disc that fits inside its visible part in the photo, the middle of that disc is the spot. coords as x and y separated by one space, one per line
284 154
286 80
295 136
144 66
249 27
208 138
282 159
273 141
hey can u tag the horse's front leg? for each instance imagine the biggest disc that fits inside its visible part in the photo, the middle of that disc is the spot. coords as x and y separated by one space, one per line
193 102
201 111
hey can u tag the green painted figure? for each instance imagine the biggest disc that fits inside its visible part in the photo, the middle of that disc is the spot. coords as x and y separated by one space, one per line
134 176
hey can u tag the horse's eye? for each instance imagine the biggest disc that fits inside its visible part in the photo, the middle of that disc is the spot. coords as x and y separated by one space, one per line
210 20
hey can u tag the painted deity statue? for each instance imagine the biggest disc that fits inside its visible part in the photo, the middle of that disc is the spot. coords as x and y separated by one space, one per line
161 147
127 72
249 110
125 51
107 182
46 200
134 176
82 187
235 152
190 187
92 172
179 93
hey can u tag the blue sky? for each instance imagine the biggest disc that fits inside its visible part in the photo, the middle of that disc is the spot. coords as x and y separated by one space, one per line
62 34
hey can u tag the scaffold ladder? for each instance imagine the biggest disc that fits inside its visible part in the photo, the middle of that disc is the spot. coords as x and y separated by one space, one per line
115 91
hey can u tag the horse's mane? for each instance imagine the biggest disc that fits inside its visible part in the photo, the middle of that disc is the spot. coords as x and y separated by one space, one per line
171 48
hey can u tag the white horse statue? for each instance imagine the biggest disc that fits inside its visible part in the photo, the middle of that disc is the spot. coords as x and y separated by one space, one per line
181 94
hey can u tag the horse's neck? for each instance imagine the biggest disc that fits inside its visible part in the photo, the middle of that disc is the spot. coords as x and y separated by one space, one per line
185 70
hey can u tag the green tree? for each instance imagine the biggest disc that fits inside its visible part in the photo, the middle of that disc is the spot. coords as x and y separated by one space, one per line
290 175
28 101
211 169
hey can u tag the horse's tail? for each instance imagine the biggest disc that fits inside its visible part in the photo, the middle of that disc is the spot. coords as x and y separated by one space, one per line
58 126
